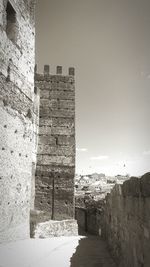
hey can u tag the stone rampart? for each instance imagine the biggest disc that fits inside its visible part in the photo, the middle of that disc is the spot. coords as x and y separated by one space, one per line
127 222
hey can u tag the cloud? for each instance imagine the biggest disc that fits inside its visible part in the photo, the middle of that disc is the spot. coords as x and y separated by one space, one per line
81 149
148 76
100 157
146 153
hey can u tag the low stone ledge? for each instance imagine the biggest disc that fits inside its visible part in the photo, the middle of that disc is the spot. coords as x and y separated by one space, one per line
50 228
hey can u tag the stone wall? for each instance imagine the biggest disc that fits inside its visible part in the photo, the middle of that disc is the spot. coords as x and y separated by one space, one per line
18 115
56 145
127 222
89 220
81 217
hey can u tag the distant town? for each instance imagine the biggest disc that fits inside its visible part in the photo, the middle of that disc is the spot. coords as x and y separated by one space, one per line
96 186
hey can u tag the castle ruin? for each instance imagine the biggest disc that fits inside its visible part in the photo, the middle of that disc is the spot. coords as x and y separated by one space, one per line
37 143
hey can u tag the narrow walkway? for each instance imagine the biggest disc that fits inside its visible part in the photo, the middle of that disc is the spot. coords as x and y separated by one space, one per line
74 251
91 252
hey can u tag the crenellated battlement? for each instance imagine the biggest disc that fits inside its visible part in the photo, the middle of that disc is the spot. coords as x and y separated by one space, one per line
59 71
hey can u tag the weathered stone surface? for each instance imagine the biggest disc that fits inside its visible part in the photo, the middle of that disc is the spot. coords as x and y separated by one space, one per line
56 81
126 222
18 117
45 130
46 140
44 94
65 140
58 104
56 170
57 160
145 185
65 95
132 187
56 149
60 113
55 228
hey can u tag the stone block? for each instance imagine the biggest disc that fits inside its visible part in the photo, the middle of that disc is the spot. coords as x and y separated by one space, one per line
45 122
65 140
66 104
44 111
55 150
57 160
62 131
56 171
63 122
62 95
64 194
61 113
64 181
46 140
45 130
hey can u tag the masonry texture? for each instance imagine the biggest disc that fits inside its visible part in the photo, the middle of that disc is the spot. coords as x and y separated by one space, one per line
52 228
127 222
89 220
56 145
18 116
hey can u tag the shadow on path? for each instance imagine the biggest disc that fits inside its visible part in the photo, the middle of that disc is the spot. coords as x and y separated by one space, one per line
91 252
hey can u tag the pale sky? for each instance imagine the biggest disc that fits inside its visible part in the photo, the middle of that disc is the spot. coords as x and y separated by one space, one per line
108 43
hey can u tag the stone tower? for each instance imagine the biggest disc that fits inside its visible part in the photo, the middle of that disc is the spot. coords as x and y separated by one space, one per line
56 146
18 115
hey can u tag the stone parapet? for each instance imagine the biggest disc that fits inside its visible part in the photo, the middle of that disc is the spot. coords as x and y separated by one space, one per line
126 222
47 228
